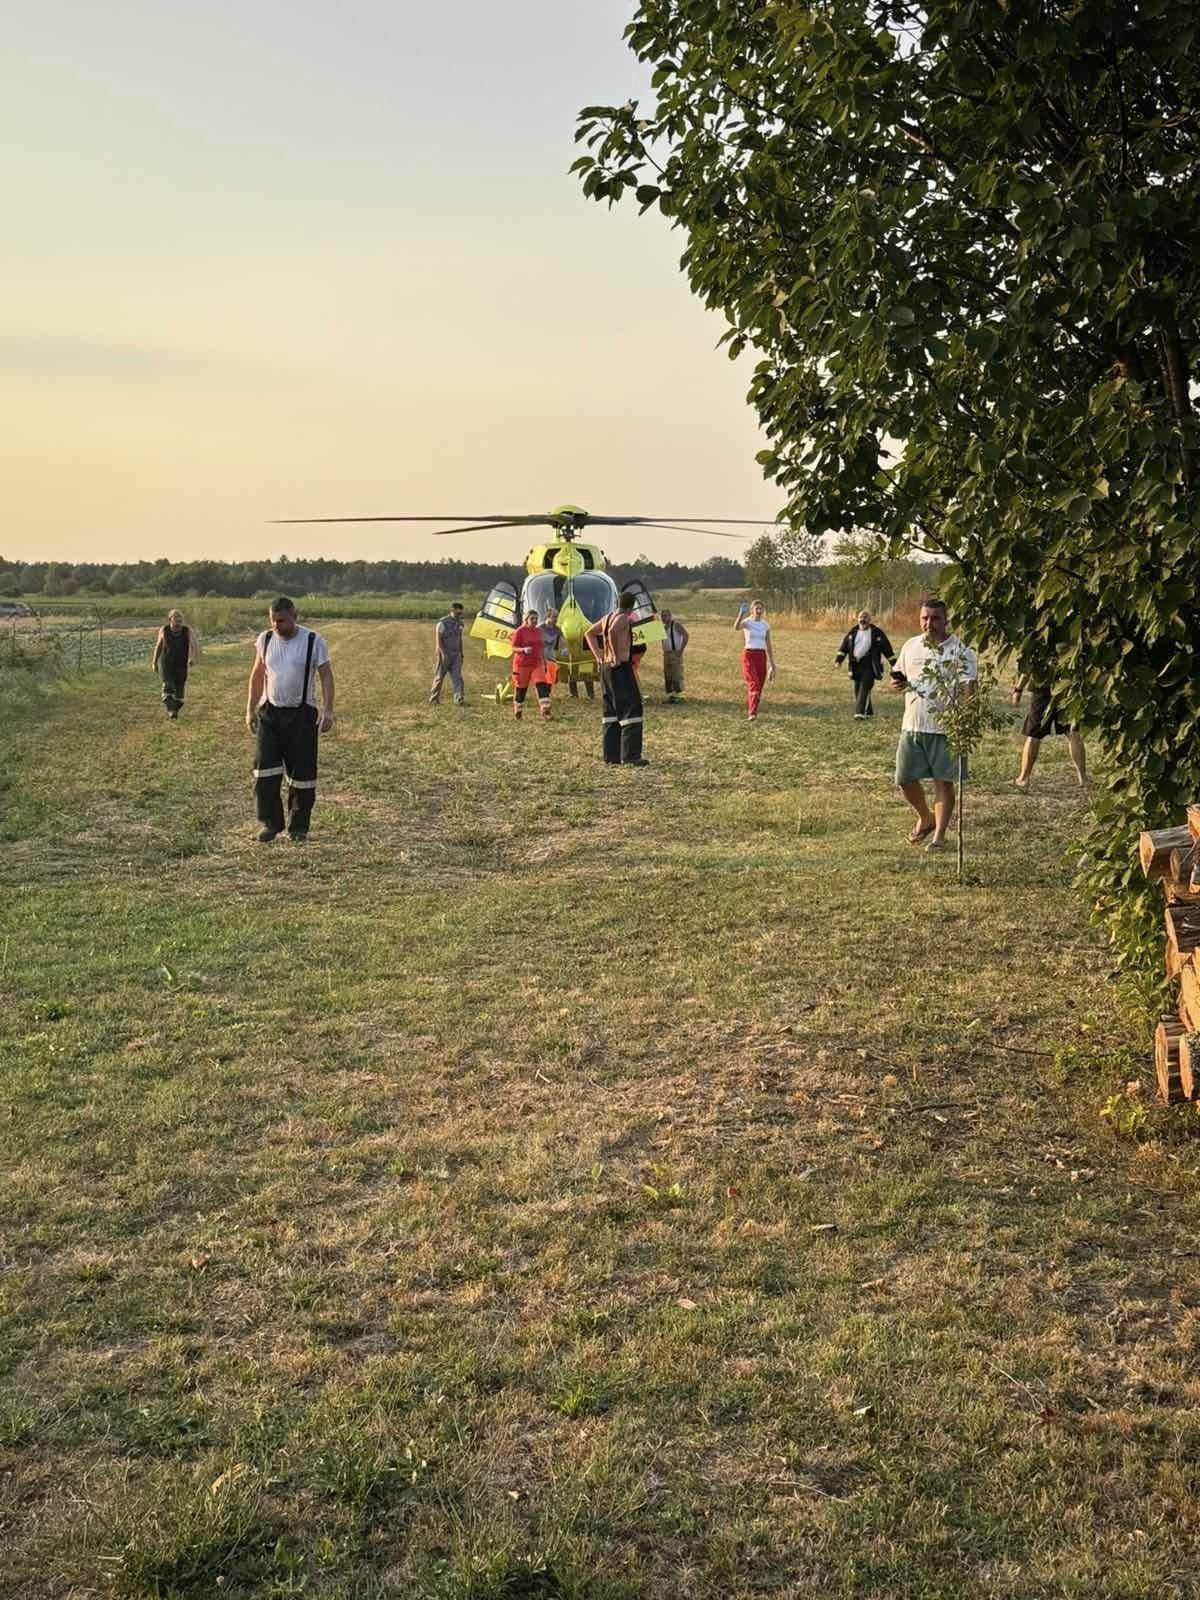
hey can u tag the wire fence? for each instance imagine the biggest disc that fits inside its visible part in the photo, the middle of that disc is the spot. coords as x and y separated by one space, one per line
71 646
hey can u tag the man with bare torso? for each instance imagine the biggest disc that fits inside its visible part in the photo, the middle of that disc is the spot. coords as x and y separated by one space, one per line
611 642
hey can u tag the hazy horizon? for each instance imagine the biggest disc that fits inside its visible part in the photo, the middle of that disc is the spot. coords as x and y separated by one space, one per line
284 262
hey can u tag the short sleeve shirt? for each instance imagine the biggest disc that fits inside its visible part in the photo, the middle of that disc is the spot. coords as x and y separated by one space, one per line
284 661
920 701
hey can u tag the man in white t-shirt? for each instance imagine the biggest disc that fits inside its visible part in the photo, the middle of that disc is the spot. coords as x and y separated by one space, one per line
281 712
924 751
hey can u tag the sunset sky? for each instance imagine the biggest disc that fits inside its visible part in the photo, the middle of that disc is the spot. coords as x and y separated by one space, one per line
286 258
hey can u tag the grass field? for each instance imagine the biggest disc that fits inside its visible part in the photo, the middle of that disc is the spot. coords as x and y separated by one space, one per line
560 1181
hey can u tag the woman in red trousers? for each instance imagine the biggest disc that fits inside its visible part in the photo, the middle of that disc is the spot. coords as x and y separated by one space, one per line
758 659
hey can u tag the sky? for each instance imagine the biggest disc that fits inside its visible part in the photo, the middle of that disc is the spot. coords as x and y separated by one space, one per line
287 258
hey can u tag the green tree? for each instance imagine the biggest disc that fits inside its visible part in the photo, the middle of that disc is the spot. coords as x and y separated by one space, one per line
965 240
59 580
782 563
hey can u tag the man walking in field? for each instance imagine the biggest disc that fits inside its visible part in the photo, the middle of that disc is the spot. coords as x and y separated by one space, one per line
674 643
175 649
281 712
448 641
865 647
924 751
611 642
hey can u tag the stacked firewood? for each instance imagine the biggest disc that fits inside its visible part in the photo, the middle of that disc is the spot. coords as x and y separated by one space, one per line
1172 857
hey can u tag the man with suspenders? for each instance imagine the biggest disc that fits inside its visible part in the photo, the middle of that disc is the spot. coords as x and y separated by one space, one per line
281 712
611 642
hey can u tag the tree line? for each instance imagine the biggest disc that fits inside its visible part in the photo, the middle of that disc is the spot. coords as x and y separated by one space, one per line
319 576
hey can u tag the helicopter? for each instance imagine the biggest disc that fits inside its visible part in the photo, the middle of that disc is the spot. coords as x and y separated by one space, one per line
564 573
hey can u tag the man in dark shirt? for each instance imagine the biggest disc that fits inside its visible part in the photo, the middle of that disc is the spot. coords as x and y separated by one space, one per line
174 651
448 640
865 647
611 642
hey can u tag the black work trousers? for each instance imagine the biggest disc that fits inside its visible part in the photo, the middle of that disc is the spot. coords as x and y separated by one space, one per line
622 713
174 681
286 744
863 674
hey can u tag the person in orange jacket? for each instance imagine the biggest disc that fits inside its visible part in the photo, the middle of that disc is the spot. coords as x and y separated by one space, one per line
528 655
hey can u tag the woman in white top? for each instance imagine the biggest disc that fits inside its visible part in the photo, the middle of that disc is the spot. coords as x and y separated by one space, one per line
758 659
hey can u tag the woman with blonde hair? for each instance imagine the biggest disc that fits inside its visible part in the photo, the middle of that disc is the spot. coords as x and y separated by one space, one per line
758 658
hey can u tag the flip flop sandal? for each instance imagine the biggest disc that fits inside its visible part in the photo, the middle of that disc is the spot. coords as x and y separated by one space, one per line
921 833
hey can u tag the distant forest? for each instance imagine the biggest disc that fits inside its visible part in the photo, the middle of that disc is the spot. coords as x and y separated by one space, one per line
296 576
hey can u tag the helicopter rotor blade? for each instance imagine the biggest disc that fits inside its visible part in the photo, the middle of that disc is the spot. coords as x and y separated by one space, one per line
478 520
745 522
675 527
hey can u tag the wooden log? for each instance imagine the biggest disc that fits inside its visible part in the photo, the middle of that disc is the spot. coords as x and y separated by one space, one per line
1156 844
1193 816
1183 934
1183 861
1179 892
1189 995
1189 1063
1167 1038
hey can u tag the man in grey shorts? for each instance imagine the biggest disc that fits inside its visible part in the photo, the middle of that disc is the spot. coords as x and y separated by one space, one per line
924 751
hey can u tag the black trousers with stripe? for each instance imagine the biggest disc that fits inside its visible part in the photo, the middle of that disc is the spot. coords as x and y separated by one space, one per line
286 743
622 713
174 682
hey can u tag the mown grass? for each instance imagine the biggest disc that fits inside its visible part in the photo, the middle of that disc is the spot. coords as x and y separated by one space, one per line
559 1181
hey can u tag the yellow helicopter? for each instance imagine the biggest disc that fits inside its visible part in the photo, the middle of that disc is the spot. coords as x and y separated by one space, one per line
565 574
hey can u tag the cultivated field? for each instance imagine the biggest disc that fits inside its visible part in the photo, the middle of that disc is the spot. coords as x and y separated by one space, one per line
560 1181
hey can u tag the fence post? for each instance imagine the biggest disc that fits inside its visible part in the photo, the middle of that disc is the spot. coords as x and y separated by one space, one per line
79 651
101 631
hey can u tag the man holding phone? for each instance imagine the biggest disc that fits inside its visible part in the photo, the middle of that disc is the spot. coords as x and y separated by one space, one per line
924 751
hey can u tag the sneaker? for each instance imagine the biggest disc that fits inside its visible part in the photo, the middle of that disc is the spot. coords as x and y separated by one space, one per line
299 837
860 716
640 762
268 834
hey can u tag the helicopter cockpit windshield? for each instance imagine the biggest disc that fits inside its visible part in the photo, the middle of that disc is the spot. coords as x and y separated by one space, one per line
594 593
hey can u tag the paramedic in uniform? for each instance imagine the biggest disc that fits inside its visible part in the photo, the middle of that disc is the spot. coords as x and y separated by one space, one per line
611 642
281 711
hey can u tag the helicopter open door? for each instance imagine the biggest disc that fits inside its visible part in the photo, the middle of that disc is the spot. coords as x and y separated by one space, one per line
498 617
647 628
